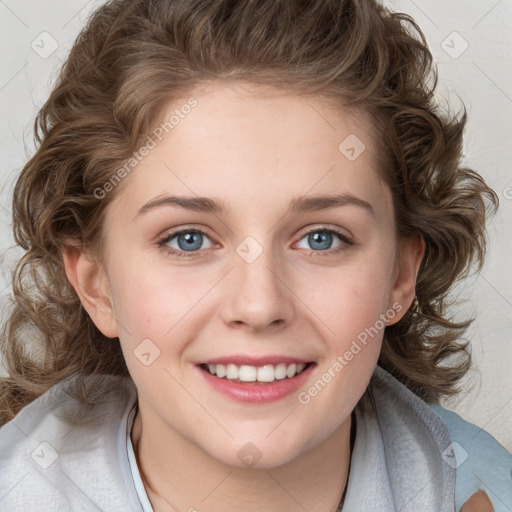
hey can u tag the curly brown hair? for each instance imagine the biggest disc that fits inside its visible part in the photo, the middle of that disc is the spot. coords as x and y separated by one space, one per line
133 57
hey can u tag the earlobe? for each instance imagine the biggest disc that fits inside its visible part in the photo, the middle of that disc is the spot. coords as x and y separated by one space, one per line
412 250
90 281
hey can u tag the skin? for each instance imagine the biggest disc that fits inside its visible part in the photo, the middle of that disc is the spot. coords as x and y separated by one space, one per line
479 502
255 149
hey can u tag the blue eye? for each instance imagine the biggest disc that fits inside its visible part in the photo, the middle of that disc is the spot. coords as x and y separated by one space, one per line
189 242
321 239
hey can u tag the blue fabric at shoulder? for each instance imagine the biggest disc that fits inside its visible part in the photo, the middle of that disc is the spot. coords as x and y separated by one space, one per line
481 462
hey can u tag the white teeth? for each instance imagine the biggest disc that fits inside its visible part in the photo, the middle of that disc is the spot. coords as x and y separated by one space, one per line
246 373
280 371
232 371
265 373
291 370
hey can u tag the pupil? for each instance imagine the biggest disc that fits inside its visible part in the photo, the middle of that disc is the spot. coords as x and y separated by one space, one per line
192 241
319 238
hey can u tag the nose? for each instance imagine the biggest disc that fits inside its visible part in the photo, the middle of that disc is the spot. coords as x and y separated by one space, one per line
257 295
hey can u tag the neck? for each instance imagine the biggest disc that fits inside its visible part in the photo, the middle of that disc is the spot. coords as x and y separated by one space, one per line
178 475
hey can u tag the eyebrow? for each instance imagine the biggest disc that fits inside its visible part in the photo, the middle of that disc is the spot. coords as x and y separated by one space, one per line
297 205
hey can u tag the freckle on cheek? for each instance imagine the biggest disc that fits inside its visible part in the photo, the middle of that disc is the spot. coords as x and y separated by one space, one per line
148 322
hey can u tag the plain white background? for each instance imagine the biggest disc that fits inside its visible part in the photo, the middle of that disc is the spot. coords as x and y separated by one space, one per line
471 43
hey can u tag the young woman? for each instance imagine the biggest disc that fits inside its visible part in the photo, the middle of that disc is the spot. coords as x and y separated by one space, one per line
241 227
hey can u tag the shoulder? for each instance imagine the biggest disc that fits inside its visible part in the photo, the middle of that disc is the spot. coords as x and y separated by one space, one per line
465 452
480 460
59 454
412 438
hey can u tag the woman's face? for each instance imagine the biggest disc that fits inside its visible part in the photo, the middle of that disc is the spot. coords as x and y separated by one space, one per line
287 261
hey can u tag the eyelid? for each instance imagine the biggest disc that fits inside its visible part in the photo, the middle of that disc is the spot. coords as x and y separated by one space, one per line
172 233
303 232
325 227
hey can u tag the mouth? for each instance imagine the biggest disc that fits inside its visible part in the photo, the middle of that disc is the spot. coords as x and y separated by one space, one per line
265 374
266 380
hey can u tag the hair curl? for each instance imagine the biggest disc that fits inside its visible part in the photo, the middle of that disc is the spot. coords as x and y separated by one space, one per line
133 57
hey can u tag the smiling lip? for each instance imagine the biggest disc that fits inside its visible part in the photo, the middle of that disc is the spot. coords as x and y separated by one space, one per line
255 361
256 392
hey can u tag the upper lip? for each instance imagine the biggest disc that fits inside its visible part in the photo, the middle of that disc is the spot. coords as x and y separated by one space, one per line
241 360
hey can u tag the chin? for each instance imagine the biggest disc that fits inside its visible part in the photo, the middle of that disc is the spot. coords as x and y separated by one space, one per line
259 454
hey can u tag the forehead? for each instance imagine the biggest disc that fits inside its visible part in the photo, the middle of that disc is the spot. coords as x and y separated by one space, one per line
247 144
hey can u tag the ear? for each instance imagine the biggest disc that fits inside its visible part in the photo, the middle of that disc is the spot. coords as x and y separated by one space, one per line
410 255
89 279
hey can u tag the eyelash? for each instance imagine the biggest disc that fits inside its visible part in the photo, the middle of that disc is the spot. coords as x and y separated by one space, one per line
322 229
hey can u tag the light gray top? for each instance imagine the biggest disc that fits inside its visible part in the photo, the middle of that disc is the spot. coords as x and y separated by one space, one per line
50 462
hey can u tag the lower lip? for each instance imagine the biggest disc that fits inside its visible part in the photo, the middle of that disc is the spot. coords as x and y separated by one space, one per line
257 392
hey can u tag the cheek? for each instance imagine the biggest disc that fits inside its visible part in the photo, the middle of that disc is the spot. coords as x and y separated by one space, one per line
351 298
151 301
352 310
158 312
